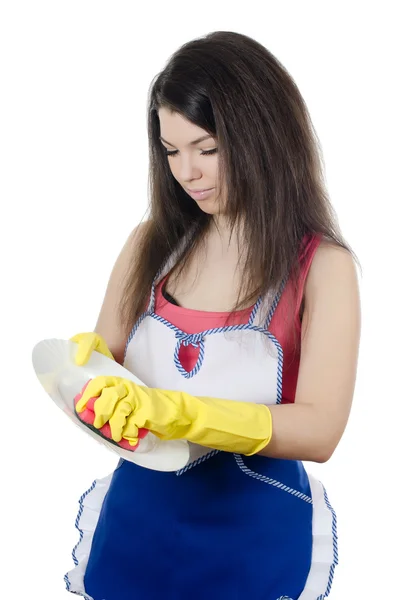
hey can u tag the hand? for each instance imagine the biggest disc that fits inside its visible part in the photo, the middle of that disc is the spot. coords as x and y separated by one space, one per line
129 407
87 344
114 403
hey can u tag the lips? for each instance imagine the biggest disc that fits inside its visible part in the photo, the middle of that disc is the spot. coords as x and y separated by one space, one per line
200 195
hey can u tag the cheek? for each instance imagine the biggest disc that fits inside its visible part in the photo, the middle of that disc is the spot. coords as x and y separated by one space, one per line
173 168
211 168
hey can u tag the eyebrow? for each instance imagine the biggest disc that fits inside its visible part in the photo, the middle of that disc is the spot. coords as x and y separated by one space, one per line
200 139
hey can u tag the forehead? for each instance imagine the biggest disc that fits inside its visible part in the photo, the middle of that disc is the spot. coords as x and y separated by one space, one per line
177 130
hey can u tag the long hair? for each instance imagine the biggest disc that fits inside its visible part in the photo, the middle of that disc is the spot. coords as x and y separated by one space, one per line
269 162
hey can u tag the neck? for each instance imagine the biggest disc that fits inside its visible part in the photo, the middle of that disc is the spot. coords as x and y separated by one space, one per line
221 228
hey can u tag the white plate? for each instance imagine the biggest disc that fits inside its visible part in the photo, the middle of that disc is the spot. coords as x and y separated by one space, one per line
62 379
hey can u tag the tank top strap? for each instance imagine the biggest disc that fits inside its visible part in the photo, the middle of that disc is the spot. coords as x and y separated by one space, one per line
309 246
265 308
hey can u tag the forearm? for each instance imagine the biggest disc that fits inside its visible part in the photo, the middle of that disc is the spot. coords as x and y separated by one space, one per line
290 431
300 432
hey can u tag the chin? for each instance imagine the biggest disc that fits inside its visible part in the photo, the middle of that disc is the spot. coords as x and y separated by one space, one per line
210 208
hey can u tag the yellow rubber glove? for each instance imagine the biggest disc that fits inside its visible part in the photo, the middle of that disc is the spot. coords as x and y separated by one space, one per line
87 344
241 427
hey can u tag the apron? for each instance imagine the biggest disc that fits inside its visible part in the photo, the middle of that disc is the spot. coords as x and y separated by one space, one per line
226 525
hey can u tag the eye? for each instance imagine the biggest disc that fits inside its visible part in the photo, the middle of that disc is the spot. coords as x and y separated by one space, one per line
203 152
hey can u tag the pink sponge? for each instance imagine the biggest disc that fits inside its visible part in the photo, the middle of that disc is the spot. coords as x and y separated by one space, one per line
87 416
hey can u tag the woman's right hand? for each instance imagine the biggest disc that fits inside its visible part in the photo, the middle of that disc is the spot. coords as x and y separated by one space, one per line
87 344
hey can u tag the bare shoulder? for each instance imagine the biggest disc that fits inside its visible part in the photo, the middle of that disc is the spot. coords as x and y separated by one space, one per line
138 231
332 282
107 324
329 250
128 253
332 268
133 240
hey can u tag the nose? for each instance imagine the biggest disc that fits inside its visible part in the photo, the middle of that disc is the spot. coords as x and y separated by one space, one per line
188 169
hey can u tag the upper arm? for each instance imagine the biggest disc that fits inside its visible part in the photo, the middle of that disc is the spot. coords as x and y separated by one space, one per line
330 341
108 325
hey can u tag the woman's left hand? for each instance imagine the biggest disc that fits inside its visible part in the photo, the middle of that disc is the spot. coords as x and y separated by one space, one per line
129 407
115 401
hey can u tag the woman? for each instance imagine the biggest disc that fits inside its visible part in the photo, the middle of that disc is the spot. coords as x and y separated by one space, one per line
239 309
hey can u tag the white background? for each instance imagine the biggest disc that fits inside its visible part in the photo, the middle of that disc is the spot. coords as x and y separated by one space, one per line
73 165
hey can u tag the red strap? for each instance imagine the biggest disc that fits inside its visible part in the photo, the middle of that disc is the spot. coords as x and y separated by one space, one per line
309 246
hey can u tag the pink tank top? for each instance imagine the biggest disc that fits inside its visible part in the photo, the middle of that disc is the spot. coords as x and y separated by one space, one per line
194 321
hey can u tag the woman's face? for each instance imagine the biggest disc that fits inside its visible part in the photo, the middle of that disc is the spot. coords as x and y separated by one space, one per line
194 165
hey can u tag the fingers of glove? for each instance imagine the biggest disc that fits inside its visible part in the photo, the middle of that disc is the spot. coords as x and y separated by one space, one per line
119 417
107 404
131 430
103 349
133 441
86 345
94 389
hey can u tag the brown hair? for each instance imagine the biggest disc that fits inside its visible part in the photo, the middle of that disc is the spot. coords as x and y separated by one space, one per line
270 162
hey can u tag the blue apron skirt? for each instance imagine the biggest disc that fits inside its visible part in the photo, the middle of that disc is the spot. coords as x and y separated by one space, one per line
227 528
